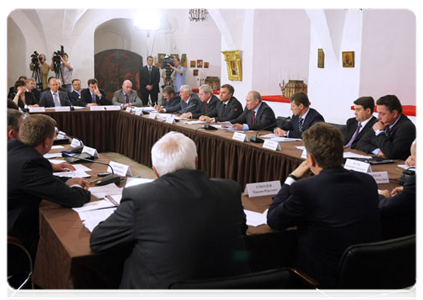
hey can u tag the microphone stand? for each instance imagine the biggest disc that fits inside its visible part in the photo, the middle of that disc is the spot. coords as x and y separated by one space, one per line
256 139
111 178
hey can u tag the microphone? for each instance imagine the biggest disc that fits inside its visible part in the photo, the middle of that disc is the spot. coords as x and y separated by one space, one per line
256 139
111 178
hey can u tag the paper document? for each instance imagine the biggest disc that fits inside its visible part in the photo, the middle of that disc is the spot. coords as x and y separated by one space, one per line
52 155
284 139
80 167
108 189
114 199
302 148
407 167
72 174
92 218
78 107
136 180
354 155
196 122
57 147
256 219
94 205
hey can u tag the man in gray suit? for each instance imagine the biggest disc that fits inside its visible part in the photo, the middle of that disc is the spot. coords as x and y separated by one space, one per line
181 226
126 96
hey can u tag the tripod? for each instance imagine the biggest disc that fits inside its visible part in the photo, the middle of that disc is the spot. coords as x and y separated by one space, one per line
36 74
58 71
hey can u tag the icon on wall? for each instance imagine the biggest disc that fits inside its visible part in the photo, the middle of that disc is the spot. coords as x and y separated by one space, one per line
320 58
348 59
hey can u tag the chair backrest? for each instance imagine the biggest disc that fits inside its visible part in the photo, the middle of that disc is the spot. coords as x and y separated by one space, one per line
282 120
261 285
19 265
390 264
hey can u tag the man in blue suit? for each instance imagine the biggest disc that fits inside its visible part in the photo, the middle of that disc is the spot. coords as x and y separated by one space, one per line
303 117
54 97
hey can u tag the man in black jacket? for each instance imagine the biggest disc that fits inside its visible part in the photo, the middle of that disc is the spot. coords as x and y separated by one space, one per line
93 96
30 180
227 109
182 226
208 102
149 82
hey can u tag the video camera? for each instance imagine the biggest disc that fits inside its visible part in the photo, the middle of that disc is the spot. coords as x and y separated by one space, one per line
57 58
167 60
34 58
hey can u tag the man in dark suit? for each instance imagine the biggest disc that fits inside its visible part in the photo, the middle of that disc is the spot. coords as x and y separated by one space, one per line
257 115
303 117
149 82
398 207
189 102
75 95
93 96
332 210
126 96
53 97
393 134
208 102
227 109
169 97
30 180
197 233
363 122
30 87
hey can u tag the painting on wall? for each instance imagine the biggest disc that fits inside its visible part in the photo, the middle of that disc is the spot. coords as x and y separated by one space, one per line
192 64
199 63
233 64
112 67
348 59
195 72
320 58
206 64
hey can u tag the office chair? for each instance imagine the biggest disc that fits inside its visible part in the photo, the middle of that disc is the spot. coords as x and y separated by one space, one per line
380 270
263 285
19 264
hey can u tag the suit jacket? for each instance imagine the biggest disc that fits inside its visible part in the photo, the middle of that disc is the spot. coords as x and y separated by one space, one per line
37 95
265 117
396 145
398 212
30 180
29 99
146 79
75 98
225 112
172 102
351 127
210 106
332 211
86 98
47 99
195 234
119 98
312 117
182 107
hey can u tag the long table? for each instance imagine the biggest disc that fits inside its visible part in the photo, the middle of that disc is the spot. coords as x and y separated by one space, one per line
64 259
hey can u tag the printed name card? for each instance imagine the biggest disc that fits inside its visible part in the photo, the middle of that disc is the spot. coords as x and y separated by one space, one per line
112 107
272 145
61 135
359 166
128 109
240 137
90 151
36 109
152 115
262 188
304 154
380 177
119 169
97 108
138 112
76 143
170 119
62 108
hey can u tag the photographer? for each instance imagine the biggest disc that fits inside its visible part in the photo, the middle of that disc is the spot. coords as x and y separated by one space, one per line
38 63
63 69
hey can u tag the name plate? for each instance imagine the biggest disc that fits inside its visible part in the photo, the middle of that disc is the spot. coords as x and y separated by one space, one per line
262 188
138 112
90 151
119 169
35 109
97 108
272 145
304 154
152 115
380 177
76 143
359 166
112 107
62 108
170 119
239 137
128 109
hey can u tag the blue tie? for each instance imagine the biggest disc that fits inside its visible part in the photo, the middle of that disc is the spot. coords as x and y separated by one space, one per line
300 124
93 98
56 100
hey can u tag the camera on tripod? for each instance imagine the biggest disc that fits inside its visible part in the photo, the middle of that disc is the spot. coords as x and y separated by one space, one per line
165 65
57 58
34 58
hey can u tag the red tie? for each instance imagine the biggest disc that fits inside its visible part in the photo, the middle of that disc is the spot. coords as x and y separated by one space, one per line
254 116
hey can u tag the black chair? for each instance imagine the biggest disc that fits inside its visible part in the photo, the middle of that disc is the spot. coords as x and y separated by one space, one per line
381 270
282 120
264 285
19 265
339 126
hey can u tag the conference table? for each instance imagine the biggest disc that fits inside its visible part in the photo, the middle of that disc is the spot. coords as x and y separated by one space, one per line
64 259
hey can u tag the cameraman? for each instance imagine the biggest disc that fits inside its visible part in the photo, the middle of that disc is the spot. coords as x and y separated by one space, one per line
179 76
65 68
44 69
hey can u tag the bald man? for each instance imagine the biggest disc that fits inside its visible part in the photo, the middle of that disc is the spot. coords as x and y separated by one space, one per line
126 96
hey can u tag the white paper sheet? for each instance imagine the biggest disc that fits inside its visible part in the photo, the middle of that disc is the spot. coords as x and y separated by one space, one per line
256 219
108 189
354 155
92 218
